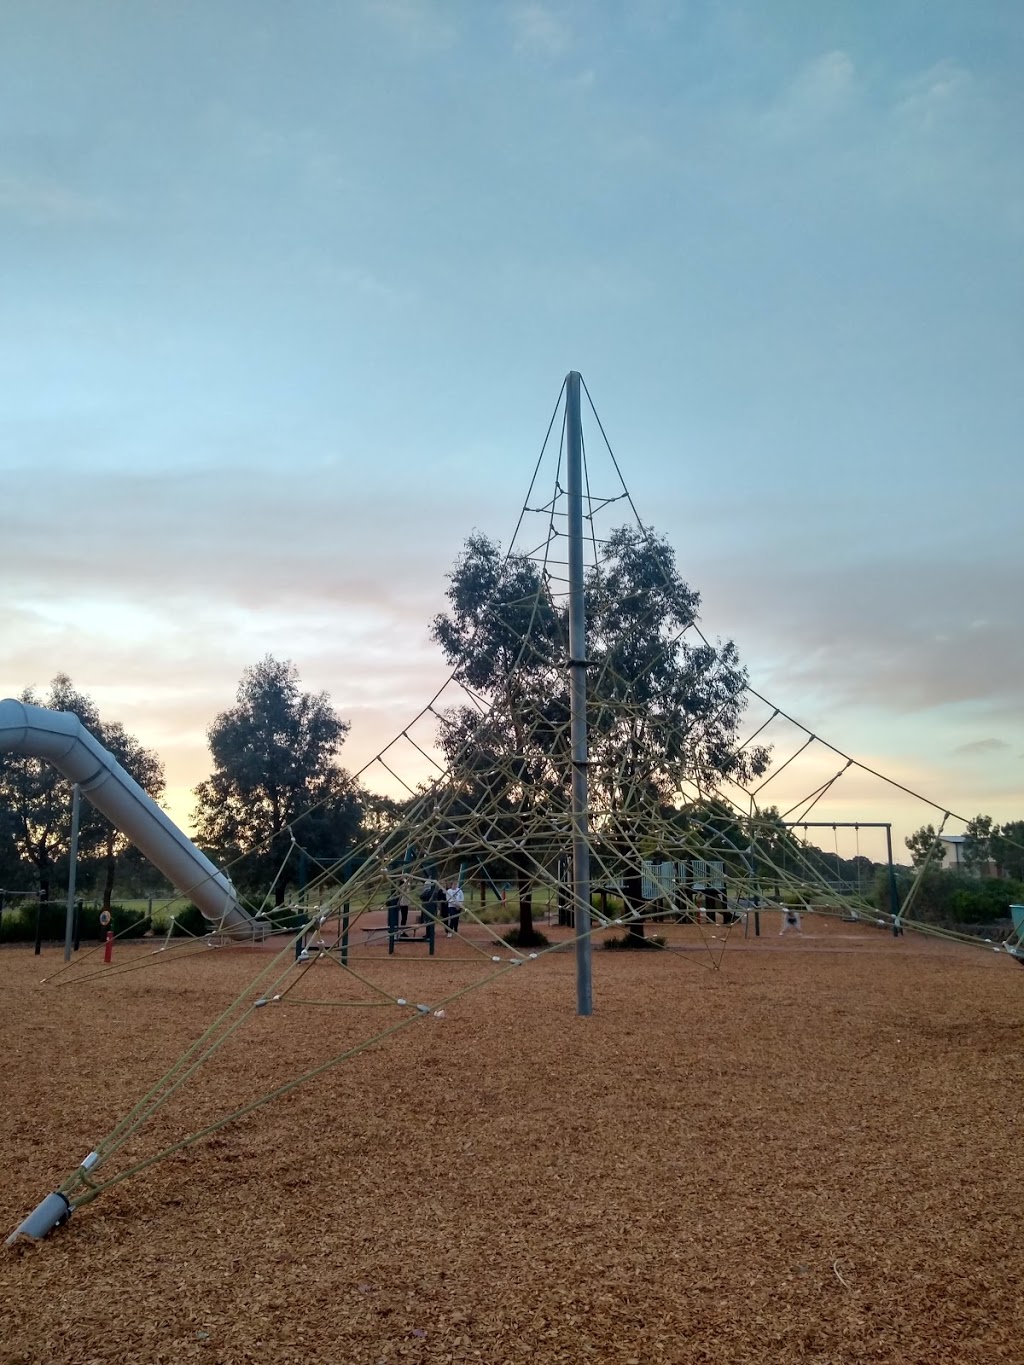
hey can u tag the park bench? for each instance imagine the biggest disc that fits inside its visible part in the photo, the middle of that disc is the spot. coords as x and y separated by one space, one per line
398 933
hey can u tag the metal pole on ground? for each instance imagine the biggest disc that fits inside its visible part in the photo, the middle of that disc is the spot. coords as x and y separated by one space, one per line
345 910
894 895
69 921
300 941
578 695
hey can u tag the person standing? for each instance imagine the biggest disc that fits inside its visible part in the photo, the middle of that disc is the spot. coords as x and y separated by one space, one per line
403 903
791 921
427 901
433 900
440 907
455 898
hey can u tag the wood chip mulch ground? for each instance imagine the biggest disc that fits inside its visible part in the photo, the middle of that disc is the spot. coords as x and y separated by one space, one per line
812 1154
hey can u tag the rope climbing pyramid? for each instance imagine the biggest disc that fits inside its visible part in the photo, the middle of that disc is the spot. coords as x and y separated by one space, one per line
597 759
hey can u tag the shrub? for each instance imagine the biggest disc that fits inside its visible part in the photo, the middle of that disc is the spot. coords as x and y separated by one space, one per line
190 921
19 926
500 914
129 923
984 902
124 923
947 897
536 939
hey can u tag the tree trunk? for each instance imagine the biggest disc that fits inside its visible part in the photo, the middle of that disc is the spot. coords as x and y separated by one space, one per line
712 903
563 892
718 904
633 895
108 883
527 934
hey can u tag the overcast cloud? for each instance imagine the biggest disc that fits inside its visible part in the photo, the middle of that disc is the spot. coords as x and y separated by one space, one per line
288 292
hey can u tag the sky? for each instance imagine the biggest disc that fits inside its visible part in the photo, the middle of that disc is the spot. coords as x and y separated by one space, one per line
287 293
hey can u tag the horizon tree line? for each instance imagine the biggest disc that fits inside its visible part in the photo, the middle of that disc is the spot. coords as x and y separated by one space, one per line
664 714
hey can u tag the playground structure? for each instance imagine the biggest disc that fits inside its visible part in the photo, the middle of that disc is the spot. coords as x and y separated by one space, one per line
521 791
62 740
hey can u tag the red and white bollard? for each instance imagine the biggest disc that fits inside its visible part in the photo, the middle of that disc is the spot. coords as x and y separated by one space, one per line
108 946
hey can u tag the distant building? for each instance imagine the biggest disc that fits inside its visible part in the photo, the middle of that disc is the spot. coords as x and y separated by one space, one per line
954 845
954 859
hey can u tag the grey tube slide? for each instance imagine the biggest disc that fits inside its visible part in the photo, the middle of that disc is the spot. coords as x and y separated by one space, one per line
60 738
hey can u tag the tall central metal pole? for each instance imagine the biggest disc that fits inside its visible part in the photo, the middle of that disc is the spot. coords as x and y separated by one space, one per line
578 695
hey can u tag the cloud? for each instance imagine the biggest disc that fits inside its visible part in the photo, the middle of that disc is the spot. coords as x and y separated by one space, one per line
824 84
900 634
938 140
254 540
982 746
820 90
38 201
157 598
933 95
539 32
420 25
357 279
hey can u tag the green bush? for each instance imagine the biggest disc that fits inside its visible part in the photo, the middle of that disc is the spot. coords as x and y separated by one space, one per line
129 923
948 897
190 921
536 940
985 902
124 923
19 926
500 914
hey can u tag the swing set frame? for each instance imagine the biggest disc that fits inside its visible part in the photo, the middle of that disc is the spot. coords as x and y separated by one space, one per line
894 898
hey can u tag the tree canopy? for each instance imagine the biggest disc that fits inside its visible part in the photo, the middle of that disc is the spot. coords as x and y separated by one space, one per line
925 846
986 844
663 710
977 848
1007 848
275 776
36 801
148 771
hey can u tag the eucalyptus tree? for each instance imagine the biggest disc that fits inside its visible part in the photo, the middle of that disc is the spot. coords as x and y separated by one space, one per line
35 798
275 783
664 705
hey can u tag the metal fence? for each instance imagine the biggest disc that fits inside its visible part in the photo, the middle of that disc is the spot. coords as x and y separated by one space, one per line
689 874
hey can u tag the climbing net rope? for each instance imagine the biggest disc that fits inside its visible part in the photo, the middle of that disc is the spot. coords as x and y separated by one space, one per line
684 757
